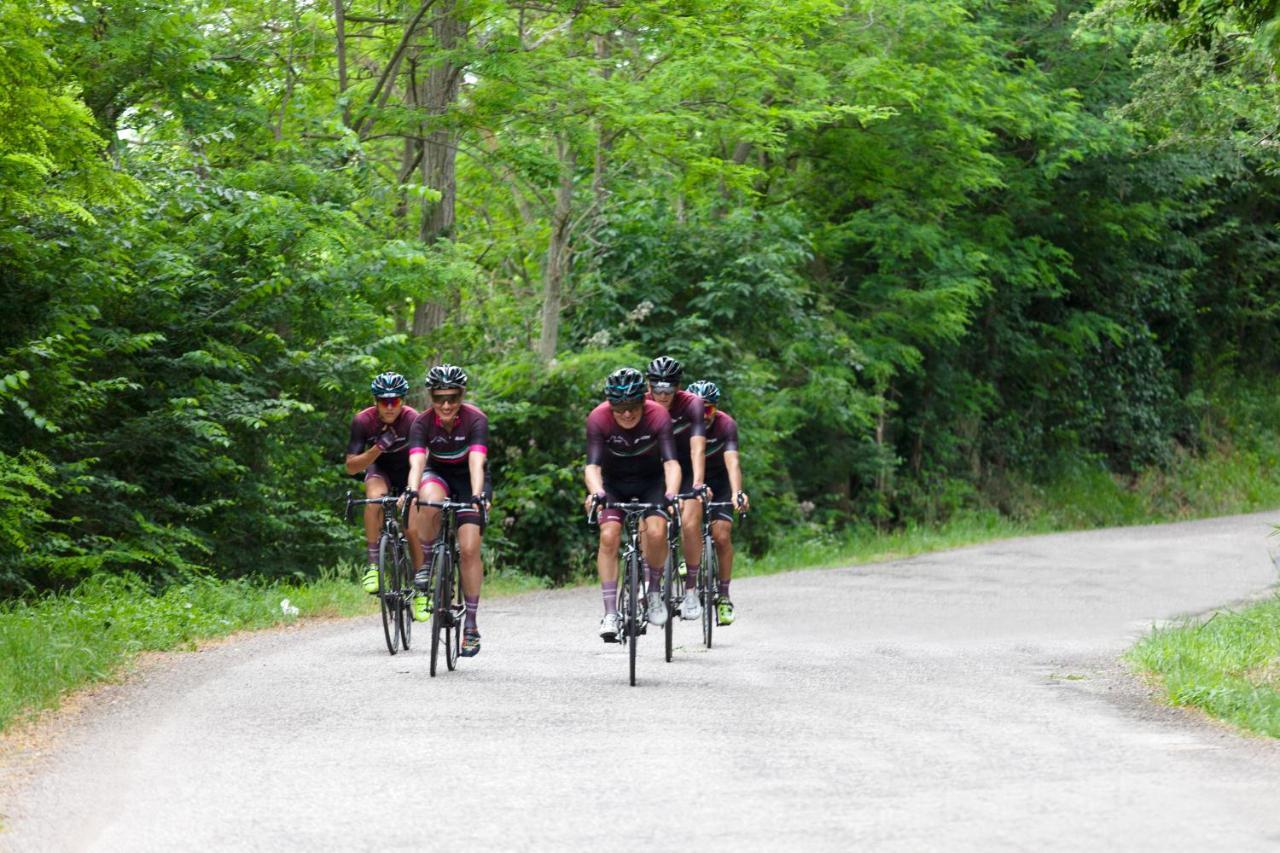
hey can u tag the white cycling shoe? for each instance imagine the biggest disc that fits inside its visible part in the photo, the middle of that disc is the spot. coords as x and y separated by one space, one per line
690 606
610 627
657 609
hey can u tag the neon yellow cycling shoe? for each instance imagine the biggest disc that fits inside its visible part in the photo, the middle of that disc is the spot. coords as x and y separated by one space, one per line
422 608
370 580
724 611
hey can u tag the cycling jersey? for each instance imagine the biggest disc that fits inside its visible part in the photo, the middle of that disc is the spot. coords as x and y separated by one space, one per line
687 420
722 435
448 446
630 454
392 465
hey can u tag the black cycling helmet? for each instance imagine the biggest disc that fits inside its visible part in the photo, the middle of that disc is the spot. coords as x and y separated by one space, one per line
664 368
389 385
446 376
624 385
706 389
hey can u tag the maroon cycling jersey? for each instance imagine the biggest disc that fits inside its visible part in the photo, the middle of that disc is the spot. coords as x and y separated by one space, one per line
366 426
450 445
636 453
722 435
686 422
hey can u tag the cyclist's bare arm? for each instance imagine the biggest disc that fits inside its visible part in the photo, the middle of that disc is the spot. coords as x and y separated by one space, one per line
593 476
475 462
671 473
735 478
357 462
417 464
698 458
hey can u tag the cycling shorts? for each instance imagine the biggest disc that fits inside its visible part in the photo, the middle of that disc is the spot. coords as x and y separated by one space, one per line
648 490
456 480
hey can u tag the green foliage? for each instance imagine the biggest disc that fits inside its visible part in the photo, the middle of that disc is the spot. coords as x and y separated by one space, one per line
942 257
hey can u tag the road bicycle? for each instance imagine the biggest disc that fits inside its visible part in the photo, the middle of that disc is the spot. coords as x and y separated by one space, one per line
395 575
709 578
448 608
630 582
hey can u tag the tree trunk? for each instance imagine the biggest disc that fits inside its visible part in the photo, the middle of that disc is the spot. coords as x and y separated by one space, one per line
340 33
559 250
440 151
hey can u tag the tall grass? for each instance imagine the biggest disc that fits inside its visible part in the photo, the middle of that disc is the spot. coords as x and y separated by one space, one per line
58 643
1229 666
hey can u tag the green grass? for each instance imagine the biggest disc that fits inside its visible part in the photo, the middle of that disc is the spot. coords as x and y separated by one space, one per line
1228 666
60 643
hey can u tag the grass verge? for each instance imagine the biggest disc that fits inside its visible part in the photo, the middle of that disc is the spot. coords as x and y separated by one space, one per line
1228 666
59 643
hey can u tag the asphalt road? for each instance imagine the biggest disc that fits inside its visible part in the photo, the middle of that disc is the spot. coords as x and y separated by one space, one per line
966 700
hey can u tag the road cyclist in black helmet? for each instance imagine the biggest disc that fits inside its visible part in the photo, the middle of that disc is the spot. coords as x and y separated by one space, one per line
631 456
448 456
378 447
689 428
724 477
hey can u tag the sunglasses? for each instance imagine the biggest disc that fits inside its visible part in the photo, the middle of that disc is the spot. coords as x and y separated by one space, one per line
389 402
663 388
626 408
445 399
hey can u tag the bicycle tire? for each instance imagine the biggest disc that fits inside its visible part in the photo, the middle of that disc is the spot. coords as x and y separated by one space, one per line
669 598
386 597
633 610
453 628
710 579
621 599
404 593
439 610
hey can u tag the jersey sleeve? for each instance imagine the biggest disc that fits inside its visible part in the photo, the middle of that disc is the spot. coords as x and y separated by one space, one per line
595 442
697 423
356 442
666 441
731 435
418 434
478 435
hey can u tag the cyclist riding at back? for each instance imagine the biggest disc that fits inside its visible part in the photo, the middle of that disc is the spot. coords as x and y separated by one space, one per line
631 456
448 455
379 446
724 477
689 428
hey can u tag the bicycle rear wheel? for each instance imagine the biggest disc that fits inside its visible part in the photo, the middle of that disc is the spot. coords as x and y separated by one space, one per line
453 632
633 609
386 593
404 588
709 581
439 604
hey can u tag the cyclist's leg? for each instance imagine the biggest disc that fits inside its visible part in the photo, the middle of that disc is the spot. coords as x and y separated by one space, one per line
722 540
691 545
375 486
426 520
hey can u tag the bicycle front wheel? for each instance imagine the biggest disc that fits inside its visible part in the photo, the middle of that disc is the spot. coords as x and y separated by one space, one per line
387 594
404 591
710 579
669 597
633 609
453 630
439 604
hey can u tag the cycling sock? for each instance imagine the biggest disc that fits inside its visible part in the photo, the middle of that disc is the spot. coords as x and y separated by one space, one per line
723 589
472 602
691 576
609 592
372 550
654 575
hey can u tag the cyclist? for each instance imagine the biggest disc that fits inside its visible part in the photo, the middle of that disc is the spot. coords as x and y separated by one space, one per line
724 476
448 458
379 446
631 456
689 427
